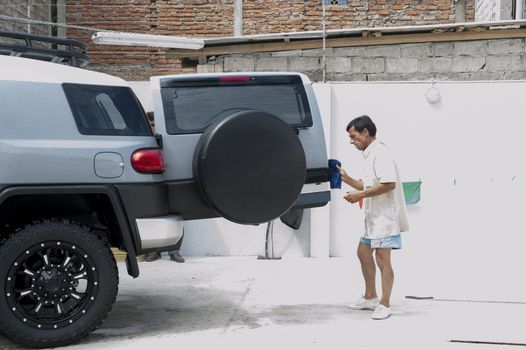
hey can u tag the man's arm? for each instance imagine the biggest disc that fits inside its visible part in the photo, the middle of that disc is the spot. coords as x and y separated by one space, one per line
356 184
375 190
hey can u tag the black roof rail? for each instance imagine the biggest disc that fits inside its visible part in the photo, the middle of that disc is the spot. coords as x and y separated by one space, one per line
44 48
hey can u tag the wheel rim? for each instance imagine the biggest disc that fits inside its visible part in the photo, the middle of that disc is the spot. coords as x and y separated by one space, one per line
51 285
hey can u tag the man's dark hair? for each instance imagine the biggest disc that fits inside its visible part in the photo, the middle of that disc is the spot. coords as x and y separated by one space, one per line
362 122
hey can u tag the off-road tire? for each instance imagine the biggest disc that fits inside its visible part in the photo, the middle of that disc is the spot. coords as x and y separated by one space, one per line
58 256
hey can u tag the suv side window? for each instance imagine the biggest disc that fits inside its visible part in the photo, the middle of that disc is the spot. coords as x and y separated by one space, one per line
106 110
190 106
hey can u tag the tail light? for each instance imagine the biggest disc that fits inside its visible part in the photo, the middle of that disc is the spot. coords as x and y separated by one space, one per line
148 161
234 79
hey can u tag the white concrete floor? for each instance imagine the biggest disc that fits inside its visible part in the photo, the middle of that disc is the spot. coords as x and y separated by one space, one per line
299 303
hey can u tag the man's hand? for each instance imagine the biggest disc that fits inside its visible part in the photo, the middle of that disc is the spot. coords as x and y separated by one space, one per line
343 173
340 169
376 190
353 196
356 184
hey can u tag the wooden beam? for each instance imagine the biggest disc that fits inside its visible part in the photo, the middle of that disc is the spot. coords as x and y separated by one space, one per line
384 39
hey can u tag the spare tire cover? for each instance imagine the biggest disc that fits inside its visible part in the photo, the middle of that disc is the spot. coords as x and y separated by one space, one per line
250 167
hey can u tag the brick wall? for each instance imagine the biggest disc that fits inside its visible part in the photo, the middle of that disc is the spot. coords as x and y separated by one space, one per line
273 16
39 10
200 18
192 18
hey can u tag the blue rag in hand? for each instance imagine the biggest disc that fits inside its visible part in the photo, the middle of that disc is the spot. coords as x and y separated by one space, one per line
334 173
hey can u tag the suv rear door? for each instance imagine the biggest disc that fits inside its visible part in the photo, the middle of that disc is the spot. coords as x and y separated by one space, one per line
268 135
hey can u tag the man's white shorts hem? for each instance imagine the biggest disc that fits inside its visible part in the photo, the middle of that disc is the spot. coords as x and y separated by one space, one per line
393 242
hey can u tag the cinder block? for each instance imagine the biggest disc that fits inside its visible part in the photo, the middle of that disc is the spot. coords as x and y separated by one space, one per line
503 63
356 77
358 51
209 68
471 48
467 64
383 51
394 77
368 65
271 64
420 77
338 64
346 77
376 77
239 64
521 75
416 50
401 65
499 47
301 64
317 52
443 49
489 75
291 53
315 75
434 65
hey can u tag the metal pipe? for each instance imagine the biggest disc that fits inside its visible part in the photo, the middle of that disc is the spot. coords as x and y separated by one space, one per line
519 9
238 18
28 3
324 34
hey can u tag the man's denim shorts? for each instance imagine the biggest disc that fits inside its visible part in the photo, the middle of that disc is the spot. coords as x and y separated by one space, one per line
394 242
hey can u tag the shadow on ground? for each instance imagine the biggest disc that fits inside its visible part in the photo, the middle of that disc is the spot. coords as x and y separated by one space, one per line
138 314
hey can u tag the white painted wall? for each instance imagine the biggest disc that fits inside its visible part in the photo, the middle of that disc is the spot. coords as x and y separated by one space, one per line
494 10
487 10
467 150
221 237
468 230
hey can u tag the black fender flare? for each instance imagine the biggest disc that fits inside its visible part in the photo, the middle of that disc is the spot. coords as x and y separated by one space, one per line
128 233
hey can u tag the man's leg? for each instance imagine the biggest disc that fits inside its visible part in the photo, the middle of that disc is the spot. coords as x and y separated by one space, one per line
365 254
383 259
174 254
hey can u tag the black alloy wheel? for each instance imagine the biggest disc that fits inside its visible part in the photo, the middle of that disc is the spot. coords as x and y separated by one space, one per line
51 284
59 281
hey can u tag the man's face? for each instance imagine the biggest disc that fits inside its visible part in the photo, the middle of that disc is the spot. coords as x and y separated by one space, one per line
360 140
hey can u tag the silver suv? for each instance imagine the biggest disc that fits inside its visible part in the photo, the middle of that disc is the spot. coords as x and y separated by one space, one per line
82 171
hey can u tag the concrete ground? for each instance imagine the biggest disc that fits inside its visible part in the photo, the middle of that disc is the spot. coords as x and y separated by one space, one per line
299 303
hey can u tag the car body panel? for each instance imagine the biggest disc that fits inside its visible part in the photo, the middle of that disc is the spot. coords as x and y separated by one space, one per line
179 148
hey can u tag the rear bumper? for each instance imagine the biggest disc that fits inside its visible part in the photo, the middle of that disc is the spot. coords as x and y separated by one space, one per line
155 233
313 195
156 212
312 200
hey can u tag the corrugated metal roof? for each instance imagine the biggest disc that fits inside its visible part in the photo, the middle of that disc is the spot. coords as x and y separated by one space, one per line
350 32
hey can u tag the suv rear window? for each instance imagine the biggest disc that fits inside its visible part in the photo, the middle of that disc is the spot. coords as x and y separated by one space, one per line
191 105
106 110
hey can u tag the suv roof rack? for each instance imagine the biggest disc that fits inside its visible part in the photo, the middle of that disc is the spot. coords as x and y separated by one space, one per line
44 48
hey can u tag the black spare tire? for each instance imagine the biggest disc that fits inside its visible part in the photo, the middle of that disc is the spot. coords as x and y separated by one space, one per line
250 167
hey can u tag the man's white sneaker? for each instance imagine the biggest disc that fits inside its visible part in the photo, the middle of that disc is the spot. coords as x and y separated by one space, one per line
364 304
381 312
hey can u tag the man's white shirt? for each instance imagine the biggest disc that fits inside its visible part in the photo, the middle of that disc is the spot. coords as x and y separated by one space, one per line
385 214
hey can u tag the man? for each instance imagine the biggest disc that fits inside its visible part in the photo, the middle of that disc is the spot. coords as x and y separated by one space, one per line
174 254
385 214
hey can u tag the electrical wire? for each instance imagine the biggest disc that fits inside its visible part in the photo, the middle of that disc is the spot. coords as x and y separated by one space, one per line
53 24
66 5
